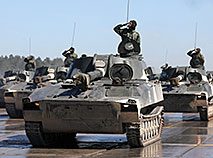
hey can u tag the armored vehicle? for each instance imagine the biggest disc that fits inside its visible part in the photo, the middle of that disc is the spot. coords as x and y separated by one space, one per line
119 99
187 89
12 78
14 93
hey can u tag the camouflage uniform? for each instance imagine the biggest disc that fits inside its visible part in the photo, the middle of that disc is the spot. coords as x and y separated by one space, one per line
30 63
197 60
83 79
70 56
127 33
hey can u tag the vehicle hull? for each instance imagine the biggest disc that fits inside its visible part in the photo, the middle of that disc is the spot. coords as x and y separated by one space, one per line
81 117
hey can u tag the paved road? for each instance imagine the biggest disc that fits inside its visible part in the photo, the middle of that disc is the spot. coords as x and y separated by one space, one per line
183 136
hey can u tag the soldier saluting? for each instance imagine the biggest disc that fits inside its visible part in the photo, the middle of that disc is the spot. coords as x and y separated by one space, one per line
197 60
130 45
129 32
30 63
70 56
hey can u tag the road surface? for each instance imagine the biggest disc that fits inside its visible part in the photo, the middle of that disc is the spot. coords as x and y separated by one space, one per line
183 136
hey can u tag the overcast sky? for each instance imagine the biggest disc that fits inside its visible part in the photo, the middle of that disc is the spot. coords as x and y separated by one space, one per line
167 27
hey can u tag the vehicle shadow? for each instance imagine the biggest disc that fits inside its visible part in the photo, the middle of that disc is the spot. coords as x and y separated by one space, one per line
16 141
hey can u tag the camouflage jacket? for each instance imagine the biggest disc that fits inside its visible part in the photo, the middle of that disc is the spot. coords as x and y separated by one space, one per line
127 33
197 59
67 54
32 62
72 55
30 65
69 58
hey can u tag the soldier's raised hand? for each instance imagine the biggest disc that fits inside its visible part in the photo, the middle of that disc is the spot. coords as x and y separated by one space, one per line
125 24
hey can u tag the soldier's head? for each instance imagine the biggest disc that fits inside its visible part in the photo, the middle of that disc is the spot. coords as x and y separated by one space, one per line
28 58
72 50
83 56
132 24
31 57
197 50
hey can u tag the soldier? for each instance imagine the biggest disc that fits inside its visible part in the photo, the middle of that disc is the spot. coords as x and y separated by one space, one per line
30 63
197 60
129 32
82 79
70 56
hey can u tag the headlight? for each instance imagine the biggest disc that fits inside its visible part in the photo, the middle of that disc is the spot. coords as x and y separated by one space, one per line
194 77
31 106
36 104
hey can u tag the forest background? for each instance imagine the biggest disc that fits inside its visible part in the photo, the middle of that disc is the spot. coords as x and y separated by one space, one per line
16 63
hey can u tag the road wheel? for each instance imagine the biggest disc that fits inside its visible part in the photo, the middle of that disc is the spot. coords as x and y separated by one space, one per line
147 131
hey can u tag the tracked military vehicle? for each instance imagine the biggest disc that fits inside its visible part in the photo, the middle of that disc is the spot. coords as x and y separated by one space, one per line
11 78
14 93
119 99
188 89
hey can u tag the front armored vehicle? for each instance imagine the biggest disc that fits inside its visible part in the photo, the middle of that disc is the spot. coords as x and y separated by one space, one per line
187 89
43 76
102 94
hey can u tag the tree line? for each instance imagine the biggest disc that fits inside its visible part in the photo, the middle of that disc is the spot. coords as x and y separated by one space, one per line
16 63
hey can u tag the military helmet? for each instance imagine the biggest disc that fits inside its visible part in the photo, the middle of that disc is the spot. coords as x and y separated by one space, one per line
198 49
31 57
134 24
72 48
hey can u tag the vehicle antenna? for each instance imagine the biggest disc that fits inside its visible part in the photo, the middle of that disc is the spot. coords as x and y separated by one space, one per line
30 46
73 34
127 11
166 56
195 44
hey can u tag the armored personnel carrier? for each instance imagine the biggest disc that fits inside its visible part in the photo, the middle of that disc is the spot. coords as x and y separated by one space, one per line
119 99
14 93
12 78
187 89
